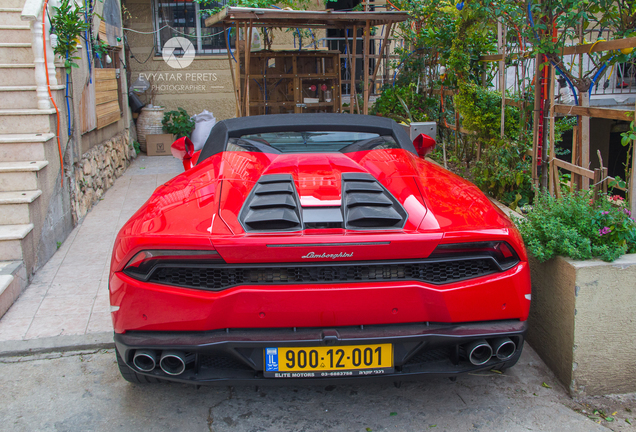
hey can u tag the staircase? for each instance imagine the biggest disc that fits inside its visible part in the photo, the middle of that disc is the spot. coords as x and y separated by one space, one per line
29 163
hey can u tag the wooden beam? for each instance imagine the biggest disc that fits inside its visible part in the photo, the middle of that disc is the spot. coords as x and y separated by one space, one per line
237 51
553 177
302 18
353 98
573 168
229 59
604 113
585 138
365 65
615 44
383 48
248 50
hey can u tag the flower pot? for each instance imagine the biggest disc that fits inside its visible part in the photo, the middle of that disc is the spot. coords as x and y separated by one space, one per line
149 123
582 322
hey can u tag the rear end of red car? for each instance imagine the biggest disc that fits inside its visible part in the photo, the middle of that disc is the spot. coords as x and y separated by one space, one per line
258 267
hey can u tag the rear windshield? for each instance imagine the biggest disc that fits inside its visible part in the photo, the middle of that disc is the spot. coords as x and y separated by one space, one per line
310 142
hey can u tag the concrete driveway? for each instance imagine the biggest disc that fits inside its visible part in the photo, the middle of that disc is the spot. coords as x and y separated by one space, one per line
83 392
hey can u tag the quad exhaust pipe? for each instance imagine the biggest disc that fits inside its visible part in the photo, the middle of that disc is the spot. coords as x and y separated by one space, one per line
478 352
174 362
145 360
504 348
171 362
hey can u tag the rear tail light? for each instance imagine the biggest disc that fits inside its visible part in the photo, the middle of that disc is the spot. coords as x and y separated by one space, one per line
501 252
142 264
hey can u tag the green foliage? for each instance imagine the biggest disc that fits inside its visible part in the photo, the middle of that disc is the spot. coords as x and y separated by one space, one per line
178 123
403 104
68 24
480 109
573 227
504 172
137 146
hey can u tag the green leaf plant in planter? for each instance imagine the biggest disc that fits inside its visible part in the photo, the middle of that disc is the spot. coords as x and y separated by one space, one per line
178 123
575 227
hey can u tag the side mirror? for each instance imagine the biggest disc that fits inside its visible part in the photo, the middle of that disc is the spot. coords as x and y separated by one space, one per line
423 144
183 149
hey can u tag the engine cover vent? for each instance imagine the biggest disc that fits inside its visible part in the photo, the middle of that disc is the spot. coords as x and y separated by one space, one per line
367 204
272 205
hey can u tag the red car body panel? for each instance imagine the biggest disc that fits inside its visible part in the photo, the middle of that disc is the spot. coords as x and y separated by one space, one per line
159 307
186 213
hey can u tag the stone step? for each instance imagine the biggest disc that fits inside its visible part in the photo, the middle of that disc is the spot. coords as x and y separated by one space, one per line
21 97
26 120
10 15
14 206
21 147
13 281
16 53
17 74
13 3
11 238
15 33
20 176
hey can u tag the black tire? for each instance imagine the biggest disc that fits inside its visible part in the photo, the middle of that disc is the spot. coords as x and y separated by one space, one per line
131 376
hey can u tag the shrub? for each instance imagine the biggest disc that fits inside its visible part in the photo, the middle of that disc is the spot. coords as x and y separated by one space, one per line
178 123
572 226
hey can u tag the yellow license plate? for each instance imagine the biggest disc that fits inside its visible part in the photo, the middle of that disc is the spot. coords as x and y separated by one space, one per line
332 361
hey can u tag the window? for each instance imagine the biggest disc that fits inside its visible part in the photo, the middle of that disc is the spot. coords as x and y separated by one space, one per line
310 142
183 18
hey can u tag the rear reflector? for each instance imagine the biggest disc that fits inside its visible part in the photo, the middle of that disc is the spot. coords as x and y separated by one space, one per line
142 264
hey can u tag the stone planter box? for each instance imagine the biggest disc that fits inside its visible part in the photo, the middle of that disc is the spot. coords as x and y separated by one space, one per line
583 322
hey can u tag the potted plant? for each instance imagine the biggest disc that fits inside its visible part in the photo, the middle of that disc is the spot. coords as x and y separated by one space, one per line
583 269
178 123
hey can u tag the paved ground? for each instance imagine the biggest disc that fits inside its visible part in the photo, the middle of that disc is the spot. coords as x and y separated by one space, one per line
67 306
85 392
69 295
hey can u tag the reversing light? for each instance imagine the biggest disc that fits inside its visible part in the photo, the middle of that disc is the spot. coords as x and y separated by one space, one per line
500 251
144 262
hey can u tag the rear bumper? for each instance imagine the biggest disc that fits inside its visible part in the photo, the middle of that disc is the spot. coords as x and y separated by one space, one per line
237 356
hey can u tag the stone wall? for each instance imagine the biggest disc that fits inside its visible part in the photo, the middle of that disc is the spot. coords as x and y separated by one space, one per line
97 170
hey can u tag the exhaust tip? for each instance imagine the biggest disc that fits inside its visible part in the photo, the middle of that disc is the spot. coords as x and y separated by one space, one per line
504 348
145 360
173 362
478 352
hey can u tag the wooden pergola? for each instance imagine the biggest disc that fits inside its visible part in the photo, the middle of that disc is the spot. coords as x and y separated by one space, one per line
327 19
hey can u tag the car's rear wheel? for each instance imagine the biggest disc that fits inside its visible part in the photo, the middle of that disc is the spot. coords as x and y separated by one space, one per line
131 376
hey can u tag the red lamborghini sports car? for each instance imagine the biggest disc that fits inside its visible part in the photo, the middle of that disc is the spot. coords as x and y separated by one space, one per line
315 247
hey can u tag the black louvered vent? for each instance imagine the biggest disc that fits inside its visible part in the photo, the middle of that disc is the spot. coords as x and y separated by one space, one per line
222 276
272 205
368 205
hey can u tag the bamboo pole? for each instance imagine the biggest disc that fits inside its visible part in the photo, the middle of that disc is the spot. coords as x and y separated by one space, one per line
365 62
501 41
248 50
554 183
585 139
535 126
229 59
352 63
632 182
238 69
384 48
